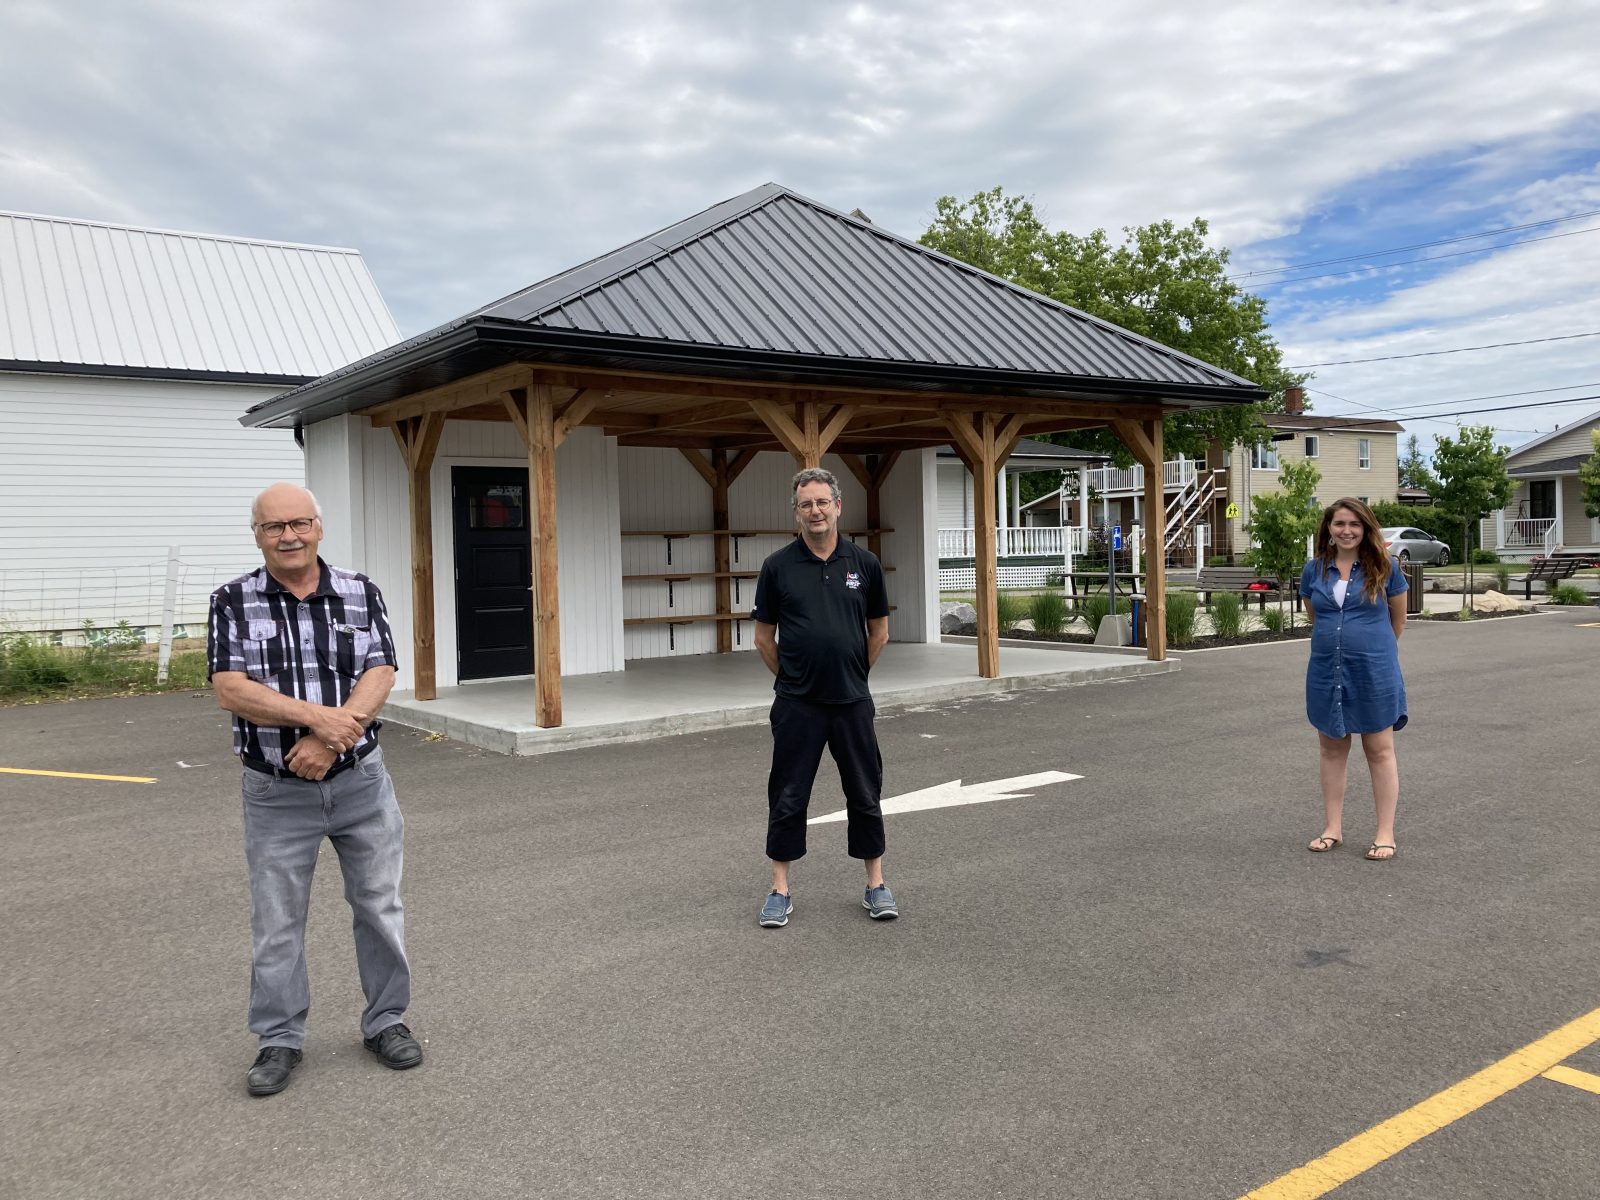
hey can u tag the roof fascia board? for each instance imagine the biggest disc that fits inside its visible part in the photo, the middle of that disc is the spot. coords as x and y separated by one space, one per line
112 371
334 396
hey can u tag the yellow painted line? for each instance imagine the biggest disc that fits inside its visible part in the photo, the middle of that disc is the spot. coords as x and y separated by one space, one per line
1579 1079
1366 1150
75 775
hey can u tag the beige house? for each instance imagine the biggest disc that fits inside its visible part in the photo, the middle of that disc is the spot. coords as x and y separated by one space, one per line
1546 511
1208 503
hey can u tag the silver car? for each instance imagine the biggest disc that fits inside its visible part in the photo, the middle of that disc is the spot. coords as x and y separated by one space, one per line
1413 545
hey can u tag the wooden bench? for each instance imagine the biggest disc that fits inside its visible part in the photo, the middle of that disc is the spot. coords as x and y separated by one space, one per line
1548 570
1239 579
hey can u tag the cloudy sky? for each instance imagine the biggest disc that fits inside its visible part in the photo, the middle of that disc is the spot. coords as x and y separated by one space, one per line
470 148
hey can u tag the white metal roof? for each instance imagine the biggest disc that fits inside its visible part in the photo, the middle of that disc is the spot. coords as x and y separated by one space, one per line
88 293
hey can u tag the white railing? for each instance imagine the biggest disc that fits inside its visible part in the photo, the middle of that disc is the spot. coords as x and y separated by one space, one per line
1174 474
1530 533
1027 541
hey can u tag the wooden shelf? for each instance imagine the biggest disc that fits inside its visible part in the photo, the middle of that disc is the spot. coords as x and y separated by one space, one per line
684 577
686 620
685 533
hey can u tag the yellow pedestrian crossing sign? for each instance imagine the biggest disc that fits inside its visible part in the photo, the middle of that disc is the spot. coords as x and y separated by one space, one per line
1233 510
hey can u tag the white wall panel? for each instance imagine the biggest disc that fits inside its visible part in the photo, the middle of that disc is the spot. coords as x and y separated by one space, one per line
98 477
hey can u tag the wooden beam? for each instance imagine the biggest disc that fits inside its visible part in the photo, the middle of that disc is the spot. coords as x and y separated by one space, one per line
885 465
706 472
464 393
834 427
572 413
781 426
419 441
740 461
541 421
858 468
516 404
1135 436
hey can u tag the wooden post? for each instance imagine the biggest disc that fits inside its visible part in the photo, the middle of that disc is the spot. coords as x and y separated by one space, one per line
976 447
541 418
419 440
1144 439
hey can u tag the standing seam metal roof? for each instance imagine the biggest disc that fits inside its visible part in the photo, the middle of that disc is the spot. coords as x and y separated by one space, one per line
772 270
86 293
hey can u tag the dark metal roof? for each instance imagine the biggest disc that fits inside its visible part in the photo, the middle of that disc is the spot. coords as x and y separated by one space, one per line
773 286
1554 466
1043 454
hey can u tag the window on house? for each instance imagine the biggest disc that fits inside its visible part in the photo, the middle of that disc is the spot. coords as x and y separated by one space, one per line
1313 445
1364 453
1264 458
1542 499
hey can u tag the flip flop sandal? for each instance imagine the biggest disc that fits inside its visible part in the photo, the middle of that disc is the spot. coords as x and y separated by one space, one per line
1321 845
1373 856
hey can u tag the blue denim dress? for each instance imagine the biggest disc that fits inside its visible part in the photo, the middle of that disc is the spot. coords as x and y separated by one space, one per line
1353 682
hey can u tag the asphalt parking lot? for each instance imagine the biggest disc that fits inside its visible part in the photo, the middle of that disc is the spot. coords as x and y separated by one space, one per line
1136 983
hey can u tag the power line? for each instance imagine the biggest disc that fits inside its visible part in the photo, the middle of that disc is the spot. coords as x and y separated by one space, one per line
1465 412
1406 408
1345 362
1465 237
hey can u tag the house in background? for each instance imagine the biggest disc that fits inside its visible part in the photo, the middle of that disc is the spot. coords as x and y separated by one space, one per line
126 355
1031 538
1209 502
1546 511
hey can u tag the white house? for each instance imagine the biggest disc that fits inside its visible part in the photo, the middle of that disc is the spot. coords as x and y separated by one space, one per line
126 355
1546 511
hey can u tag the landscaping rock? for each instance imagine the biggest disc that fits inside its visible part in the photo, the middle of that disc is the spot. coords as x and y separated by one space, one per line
953 616
1493 601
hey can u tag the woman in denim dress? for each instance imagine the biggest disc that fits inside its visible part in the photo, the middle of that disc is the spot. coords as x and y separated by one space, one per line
1355 598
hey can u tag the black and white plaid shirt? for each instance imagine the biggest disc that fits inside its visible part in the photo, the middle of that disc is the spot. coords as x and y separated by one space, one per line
313 649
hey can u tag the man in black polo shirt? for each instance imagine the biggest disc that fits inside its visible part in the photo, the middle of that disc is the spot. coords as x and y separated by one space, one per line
826 598
301 654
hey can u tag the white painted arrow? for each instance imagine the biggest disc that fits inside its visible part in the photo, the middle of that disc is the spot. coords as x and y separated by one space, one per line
948 795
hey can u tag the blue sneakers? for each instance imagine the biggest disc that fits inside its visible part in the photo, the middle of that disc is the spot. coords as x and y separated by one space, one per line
879 903
775 912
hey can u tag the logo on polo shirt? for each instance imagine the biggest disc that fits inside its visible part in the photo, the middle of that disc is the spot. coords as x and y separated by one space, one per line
852 580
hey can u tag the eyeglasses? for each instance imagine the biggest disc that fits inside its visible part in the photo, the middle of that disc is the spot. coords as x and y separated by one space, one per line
809 505
273 529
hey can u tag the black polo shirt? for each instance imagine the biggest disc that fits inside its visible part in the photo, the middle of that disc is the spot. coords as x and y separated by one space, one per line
821 609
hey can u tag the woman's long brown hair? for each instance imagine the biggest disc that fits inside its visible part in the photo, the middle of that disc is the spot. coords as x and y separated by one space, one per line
1372 554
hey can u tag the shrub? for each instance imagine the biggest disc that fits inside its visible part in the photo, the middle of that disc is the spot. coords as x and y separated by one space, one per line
1217 560
1227 614
1094 608
1180 617
120 663
1465 614
1055 579
1009 610
1502 578
1567 593
1049 612
1485 558
1272 619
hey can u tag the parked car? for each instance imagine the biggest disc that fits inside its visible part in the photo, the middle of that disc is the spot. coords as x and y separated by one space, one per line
1408 545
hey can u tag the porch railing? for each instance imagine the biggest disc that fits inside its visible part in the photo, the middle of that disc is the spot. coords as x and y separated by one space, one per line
1530 533
1027 541
1174 474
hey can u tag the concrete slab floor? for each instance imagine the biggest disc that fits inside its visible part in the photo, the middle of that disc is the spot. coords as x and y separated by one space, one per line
666 696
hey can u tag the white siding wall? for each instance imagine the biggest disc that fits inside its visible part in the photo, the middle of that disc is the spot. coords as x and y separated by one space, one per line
955 495
586 523
98 477
910 508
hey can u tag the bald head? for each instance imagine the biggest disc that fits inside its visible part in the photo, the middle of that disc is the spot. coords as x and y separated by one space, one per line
281 495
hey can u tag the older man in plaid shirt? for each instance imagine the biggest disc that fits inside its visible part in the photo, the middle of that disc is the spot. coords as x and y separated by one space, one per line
301 655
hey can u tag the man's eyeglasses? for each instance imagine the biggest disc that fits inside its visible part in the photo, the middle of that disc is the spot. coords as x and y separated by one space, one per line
809 505
273 529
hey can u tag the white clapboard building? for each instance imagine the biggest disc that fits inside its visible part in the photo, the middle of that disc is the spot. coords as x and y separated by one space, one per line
126 356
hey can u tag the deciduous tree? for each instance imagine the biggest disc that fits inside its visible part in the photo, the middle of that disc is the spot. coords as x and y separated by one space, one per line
1163 281
1472 481
1280 523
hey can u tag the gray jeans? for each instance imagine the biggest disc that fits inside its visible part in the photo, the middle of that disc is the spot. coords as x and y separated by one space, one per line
285 821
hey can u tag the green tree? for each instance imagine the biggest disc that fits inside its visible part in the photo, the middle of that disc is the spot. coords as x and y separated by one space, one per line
1280 522
1163 281
1414 471
1472 481
1589 478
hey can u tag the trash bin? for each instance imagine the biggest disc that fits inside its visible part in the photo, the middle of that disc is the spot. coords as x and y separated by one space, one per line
1415 581
1137 619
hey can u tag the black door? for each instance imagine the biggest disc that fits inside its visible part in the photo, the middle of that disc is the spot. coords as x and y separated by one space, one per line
494 572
